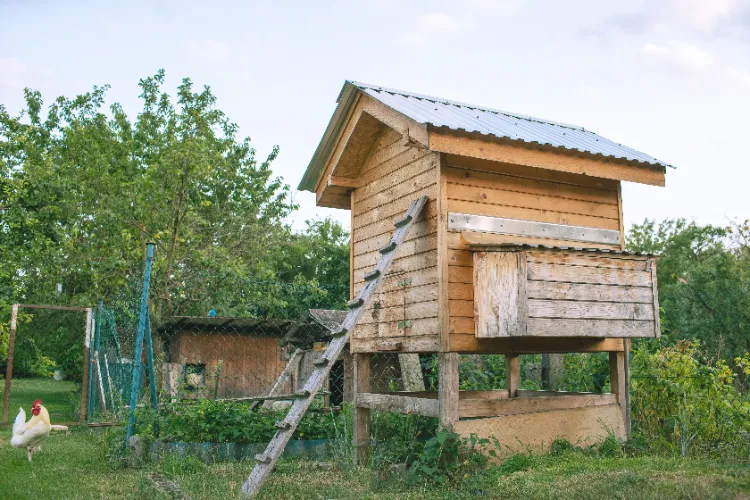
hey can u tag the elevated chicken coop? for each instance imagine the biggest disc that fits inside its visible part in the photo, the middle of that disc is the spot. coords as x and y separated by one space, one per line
518 250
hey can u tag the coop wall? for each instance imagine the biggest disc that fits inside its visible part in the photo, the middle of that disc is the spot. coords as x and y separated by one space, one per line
404 311
494 189
250 363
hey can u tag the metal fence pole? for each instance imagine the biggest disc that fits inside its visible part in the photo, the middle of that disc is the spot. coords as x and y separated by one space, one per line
142 323
151 371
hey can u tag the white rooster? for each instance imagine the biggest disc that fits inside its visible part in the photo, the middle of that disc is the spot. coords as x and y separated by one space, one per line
30 434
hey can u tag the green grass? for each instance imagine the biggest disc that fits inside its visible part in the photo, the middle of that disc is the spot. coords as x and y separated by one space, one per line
60 397
75 466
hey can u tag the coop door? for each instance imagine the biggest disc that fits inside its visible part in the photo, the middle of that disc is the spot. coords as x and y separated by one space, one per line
499 294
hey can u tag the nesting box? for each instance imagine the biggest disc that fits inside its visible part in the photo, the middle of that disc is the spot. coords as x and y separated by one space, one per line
519 250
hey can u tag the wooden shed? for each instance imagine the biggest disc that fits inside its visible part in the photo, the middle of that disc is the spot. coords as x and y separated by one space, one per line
519 250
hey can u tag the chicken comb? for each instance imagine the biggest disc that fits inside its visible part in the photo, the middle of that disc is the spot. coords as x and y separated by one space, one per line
37 402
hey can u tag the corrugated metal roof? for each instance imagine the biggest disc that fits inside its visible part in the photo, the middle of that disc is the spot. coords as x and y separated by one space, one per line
442 113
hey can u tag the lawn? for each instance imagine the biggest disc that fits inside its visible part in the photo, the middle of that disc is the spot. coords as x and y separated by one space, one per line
60 397
76 466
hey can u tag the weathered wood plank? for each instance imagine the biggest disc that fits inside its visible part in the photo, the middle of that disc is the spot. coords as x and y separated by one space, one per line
578 274
512 374
397 207
448 389
361 415
461 291
498 180
415 246
589 259
393 172
458 274
411 372
544 327
423 343
556 290
655 295
497 196
588 310
427 177
516 406
463 308
398 313
403 296
468 343
400 404
472 240
404 264
532 215
499 294
415 327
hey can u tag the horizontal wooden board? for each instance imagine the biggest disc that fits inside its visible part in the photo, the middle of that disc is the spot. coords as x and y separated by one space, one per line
400 404
535 431
462 258
578 274
461 308
423 343
460 274
581 291
496 196
468 343
393 172
405 280
461 325
471 240
515 406
411 185
589 310
481 178
417 327
387 214
532 214
402 296
543 327
399 313
404 264
461 291
529 172
418 245
589 259
421 227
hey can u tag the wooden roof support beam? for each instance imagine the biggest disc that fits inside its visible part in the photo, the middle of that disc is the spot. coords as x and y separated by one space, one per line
547 158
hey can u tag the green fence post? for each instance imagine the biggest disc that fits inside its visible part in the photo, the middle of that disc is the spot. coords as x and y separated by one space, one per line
142 324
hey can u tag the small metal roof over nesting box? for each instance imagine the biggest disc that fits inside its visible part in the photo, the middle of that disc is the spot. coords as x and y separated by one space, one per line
430 121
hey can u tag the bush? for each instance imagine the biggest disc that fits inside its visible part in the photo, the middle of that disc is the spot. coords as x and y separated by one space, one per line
682 403
447 458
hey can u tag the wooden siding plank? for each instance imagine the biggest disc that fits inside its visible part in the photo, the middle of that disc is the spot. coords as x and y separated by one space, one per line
655 295
589 310
501 197
532 215
589 259
460 274
545 327
371 251
499 180
424 178
469 408
416 327
468 343
461 308
577 274
404 264
395 208
580 291
403 296
552 160
384 232
393 172
424 343
398 313
461 291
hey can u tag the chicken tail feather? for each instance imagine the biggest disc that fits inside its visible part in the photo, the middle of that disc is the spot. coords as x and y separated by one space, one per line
20 423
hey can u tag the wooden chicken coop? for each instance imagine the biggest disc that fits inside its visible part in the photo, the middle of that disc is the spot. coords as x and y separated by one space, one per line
519 250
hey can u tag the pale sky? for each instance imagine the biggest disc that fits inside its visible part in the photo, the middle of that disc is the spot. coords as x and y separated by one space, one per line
667 77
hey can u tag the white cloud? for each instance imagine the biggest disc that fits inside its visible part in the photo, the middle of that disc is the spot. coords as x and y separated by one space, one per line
705 16
492 6
13 73
433 26
742 77
212 49
681 55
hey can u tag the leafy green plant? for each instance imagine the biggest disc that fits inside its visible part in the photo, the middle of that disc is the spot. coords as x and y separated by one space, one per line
448 458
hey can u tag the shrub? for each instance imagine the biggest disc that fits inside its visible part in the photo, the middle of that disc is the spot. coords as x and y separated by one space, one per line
447 458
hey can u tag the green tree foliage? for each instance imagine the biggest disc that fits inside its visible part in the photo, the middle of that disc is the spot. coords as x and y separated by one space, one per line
84 187
704 282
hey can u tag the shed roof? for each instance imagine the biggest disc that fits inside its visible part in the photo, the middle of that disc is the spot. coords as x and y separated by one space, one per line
444 114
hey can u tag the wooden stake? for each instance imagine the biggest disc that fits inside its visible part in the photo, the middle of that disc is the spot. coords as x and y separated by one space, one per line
448 389
361 416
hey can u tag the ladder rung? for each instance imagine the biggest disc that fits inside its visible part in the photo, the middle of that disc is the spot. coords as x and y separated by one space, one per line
302 393
283 425
372 275
322 361
403 221
339 333
262 458
389 247
353 304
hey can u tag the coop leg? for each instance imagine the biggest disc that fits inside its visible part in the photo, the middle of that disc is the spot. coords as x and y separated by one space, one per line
361 416
448 389
617 383
512 374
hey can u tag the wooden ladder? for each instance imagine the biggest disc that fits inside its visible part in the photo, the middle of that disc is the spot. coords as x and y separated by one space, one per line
304 397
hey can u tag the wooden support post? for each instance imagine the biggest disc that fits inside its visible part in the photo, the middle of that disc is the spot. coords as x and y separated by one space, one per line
512 374
448 389
617 381
86 360
361 416
627 387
